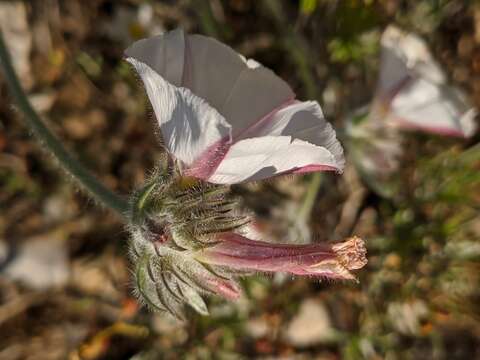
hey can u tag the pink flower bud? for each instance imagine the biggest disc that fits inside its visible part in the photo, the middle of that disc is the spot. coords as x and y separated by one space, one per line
324 260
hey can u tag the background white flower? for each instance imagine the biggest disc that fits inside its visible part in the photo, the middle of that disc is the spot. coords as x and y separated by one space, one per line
412 93
413 90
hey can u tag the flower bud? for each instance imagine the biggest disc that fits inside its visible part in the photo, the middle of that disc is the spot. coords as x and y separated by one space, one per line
172 217
321 260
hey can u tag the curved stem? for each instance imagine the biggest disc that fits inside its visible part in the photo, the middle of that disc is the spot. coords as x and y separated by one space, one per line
83 177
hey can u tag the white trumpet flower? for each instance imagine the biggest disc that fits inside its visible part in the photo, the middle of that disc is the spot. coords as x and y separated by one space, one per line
228 119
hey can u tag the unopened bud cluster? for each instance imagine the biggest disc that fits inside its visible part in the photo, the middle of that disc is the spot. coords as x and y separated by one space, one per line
172 218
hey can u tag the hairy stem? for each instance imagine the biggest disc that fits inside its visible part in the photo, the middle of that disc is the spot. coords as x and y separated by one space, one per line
83 177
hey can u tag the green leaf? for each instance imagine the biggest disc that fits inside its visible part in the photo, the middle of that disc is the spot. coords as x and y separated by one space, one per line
307 7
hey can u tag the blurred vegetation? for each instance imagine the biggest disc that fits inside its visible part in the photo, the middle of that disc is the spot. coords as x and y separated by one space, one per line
419 296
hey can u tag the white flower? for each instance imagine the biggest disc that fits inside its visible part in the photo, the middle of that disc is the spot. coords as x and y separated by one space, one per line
228 119
413 92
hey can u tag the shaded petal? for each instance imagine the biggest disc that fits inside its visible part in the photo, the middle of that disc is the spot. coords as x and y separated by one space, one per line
188 124
333 261
267 156
433 108
241 90
162 53
405 55
211 69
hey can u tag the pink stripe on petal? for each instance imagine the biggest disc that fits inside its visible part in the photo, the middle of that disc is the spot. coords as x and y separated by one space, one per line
307 169
313 168
410 125
205 165
256 126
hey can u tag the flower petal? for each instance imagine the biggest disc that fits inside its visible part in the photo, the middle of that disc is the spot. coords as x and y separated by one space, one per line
433 108
188 124
247 101
303 121
267 156
299 121
405 55
162 53
413 87
241 90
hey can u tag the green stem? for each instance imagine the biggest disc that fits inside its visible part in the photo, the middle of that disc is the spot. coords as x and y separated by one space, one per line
84 178
310 196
